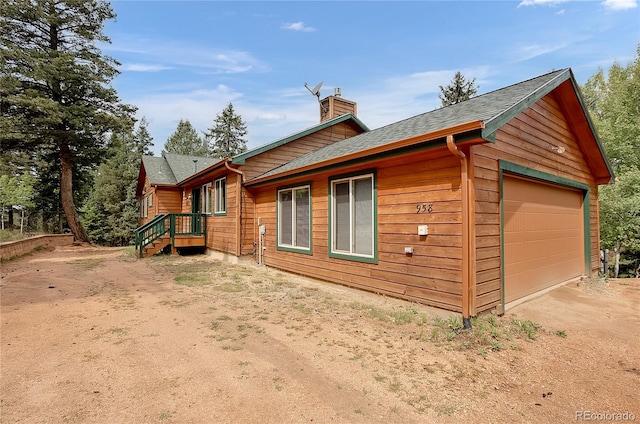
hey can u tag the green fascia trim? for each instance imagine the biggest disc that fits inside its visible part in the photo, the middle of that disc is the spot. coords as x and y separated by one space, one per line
356 258
242 157
302 250
471 135
492 125
512 168
576 88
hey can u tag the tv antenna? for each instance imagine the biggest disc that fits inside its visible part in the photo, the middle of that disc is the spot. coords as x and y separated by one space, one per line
316 92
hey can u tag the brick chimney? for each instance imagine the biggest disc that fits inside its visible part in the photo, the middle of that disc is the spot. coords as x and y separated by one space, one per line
334 106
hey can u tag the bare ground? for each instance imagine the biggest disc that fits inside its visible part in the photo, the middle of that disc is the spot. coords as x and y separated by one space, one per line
94 335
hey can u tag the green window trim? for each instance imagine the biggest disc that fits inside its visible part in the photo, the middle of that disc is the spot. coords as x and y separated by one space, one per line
206 198
280 214
511 168
220 197
348 182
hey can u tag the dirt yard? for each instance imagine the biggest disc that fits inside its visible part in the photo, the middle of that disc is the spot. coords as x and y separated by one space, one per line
93 335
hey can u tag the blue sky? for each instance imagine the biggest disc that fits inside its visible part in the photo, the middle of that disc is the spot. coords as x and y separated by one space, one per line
189 59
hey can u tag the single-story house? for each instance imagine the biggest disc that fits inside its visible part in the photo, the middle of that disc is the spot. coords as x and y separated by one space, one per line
469 207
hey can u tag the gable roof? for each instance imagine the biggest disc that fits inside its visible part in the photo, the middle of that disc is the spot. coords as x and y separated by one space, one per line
171 168
242 157
481 116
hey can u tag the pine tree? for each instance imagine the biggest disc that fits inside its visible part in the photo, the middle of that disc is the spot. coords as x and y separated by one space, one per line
227 134
16 192
458 90
55 83
111 211
186 141
613 100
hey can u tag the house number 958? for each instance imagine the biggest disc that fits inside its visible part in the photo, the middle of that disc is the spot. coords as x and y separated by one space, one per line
424 208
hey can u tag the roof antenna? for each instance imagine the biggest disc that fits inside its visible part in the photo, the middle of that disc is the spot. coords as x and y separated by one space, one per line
316 92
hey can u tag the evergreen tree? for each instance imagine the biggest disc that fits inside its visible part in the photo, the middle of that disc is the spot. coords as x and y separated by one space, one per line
56 97
16 192
14 164
613 101
111 211
227 134
458 90
186 141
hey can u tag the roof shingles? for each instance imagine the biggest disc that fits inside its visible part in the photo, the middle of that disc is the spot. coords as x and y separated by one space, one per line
172 168
484 108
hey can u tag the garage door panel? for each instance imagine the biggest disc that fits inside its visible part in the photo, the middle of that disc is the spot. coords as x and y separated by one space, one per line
543 236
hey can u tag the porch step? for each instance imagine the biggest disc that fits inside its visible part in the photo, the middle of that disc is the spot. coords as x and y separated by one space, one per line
156 246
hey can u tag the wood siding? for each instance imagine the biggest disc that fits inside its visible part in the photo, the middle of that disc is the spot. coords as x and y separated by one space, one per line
167 200
222 230
278 156
527 140
432 275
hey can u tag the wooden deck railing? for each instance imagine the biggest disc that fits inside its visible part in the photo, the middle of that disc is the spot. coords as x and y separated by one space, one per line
170 225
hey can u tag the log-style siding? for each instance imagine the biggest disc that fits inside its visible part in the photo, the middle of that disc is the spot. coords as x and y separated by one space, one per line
280 155
432 275
526 140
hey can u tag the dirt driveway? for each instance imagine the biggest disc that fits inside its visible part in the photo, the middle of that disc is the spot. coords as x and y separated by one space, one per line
93 335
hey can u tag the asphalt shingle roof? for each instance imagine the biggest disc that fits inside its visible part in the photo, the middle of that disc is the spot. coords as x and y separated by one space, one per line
487 108
171 168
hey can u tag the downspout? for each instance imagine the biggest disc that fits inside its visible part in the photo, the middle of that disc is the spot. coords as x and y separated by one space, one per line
466 245
239 208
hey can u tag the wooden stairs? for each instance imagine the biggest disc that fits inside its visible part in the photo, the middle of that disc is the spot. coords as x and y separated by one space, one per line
180 230
156 246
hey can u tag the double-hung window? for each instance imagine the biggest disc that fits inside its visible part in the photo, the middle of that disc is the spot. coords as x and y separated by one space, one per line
205 198
294 218
145 205
220 196
353 218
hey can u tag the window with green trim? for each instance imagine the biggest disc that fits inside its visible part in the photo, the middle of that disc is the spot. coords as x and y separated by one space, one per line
220 196
205 198
353 216
294 217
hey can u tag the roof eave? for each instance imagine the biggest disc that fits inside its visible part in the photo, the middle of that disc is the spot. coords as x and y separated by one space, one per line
493 124
242 157
203 172
399 144
611 177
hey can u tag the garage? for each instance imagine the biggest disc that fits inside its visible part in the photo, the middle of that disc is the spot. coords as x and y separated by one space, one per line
543 236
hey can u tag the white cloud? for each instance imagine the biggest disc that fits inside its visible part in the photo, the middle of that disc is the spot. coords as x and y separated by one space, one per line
166 54
530 51
141 67
271 117
298 26
620 4
540 2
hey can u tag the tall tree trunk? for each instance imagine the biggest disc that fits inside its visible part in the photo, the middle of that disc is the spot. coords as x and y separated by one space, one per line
66 193
616 266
